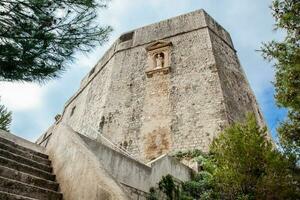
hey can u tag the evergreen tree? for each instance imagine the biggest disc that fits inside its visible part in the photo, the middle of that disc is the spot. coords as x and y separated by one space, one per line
202 185
5 118
38 37
286 55
243 164
249 166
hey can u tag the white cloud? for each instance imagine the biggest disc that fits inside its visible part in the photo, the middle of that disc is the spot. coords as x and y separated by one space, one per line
21 96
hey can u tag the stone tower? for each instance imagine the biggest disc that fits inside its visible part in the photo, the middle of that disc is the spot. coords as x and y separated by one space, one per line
169 86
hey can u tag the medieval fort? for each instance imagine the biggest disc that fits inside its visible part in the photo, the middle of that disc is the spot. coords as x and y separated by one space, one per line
166 87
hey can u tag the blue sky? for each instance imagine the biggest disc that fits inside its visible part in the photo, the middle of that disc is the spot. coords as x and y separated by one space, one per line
249 22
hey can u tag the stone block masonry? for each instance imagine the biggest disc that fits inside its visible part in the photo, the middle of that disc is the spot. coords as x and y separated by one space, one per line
90 170
169 86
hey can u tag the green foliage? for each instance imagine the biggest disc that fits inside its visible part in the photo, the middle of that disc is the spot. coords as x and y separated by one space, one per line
286 55
152 194
289 132
202 184
206 163
243 164
167 186
38 37
5 118
188 154
167 189
248 166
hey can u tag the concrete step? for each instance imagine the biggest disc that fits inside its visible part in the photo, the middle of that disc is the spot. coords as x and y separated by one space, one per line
23 189
26 178
26 169
25 154
16 146
9 196
25 161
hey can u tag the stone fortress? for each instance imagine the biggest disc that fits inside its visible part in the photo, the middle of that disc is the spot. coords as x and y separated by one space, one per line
163 88
169 86
159 89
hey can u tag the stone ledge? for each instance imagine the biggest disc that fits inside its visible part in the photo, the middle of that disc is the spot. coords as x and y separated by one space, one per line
164 70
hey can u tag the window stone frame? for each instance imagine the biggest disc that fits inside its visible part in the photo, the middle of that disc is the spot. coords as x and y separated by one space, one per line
154 49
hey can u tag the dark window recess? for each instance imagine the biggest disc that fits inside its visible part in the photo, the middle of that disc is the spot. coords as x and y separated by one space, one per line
92 71
73 110
101 124
126 36
125 144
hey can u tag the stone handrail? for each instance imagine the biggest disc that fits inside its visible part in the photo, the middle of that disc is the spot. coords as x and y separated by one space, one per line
78 171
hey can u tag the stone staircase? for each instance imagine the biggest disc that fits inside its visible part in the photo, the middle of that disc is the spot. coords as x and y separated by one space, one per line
25 174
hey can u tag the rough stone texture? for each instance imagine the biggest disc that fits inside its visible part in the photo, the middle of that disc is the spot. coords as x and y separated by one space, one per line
205 90
88 169
134 174
24 172
27 146
134 193
80 174
238 96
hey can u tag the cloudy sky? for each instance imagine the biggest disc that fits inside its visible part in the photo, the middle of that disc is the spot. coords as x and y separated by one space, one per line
248 21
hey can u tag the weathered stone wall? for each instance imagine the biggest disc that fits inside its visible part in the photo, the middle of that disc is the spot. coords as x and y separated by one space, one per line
133 173
89 169
184 109
196 92
238 96
80 174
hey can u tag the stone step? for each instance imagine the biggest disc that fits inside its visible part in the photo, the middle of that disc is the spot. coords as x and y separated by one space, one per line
16 146
23 189
23 160
26 169
26 178
9 196
25 154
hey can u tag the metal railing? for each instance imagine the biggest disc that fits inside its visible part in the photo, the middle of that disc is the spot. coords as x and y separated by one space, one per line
105 141
101 138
